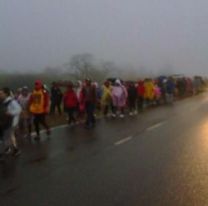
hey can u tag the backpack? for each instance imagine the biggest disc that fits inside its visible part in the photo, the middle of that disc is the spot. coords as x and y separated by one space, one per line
5 120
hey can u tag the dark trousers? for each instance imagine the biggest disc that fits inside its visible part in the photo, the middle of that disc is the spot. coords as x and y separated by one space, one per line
140 103
1 134
116 109
71 114
106 110
55 105
90 108
132 104
25 124
40 119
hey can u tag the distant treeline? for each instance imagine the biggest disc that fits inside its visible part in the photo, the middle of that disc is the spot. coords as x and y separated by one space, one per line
79 67
15 81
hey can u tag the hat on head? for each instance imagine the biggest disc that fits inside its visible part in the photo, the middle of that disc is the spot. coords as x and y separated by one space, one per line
25 88
118 81
38 82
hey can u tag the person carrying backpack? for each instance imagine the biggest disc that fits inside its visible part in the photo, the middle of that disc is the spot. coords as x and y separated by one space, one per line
9 117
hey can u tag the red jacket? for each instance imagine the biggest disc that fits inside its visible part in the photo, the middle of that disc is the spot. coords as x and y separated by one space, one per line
140 89
70 99
89 94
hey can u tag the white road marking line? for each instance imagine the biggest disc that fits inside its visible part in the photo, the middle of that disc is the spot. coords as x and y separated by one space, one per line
59 127
122 141
155 126
52 129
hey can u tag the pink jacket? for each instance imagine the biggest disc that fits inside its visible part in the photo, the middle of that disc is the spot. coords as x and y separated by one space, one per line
119 96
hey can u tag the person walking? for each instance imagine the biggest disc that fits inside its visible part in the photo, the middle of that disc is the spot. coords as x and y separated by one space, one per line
25 123
170 90
119 97
149 92
70 104
132 97
89 98
56 99
106 99
9 118
39 106
140 95
157 93
81 103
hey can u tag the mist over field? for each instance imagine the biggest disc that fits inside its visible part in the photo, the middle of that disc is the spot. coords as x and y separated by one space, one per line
138 37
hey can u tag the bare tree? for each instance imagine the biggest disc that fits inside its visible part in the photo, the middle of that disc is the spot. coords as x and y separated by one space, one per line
83 66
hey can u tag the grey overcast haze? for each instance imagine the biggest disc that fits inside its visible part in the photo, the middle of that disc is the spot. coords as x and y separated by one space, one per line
151 34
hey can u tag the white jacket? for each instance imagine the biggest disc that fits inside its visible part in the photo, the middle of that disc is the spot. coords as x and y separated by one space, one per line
14 109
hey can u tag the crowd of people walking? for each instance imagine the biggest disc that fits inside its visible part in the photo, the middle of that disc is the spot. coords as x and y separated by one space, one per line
24 109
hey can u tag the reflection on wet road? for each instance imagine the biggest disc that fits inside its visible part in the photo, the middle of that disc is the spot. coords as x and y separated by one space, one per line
159 157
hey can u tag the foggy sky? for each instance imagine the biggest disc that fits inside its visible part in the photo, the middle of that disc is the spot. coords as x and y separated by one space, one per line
151 34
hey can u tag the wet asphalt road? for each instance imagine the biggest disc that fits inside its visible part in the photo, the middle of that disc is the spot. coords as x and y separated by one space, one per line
159 157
